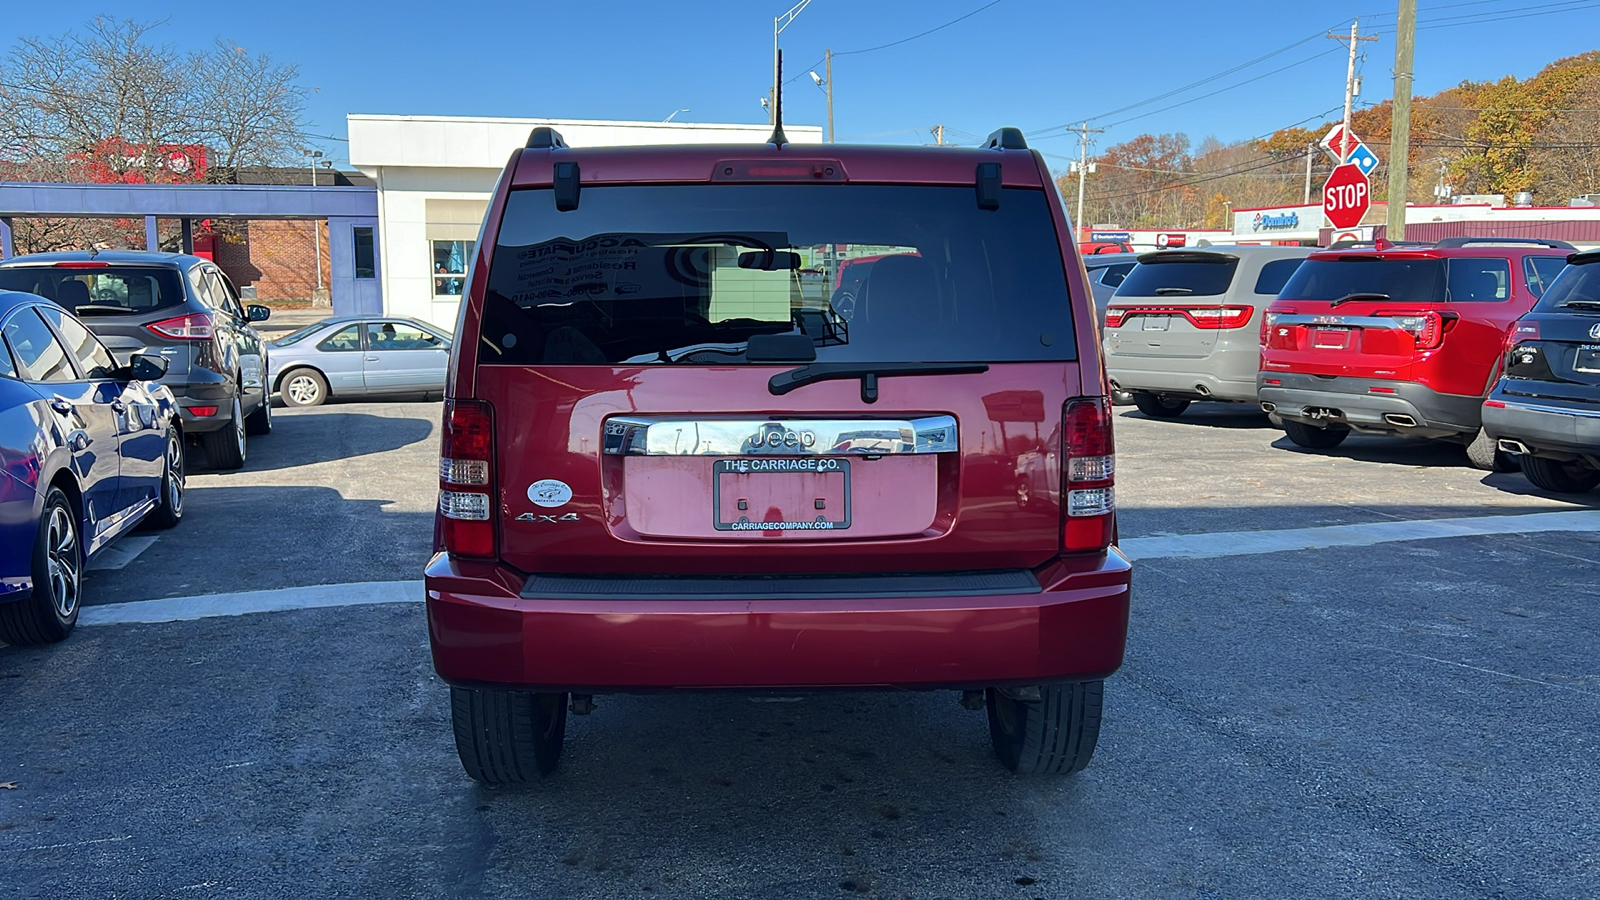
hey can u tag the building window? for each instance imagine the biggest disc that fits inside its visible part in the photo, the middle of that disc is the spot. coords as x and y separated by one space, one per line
366 261
450 267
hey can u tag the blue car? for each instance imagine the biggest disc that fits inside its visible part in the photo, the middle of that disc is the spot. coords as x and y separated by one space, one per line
88 450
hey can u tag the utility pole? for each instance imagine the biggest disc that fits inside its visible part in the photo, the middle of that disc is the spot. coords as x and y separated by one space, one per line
1083 169
1345 144
1405 40
1311 152
938 135
828 55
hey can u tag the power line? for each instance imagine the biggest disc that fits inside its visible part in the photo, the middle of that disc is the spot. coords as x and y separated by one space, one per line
906 40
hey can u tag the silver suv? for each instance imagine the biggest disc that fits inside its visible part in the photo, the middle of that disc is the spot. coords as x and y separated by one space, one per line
1184 325
181 307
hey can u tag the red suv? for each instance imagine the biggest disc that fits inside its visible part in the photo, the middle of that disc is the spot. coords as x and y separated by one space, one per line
670 463
1399 341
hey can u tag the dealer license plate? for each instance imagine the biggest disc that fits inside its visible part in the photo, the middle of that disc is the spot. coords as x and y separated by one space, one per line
782 493
1588 359
1331 338
1155 323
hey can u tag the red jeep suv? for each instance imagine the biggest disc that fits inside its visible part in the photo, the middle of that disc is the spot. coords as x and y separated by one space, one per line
1399 341
670 462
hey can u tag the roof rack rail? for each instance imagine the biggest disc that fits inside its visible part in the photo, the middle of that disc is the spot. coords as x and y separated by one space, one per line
1374 244
546 138
1504 242
1007 138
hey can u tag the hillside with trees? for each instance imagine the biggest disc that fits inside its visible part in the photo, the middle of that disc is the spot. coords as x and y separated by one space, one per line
1540 135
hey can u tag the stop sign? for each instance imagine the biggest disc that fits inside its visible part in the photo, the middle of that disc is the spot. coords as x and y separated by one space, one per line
1346 196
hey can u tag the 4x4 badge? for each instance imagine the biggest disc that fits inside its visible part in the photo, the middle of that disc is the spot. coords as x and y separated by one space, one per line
535 517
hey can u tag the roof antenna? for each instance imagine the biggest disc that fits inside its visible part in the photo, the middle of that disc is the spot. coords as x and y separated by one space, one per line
778 138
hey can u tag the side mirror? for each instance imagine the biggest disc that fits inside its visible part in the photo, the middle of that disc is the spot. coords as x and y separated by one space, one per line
258 313
147 367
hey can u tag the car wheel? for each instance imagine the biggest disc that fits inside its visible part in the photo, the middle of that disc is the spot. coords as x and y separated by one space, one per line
1483 454
225 447
260 421
304 387
169 512
508 737
1314 438
50 613
1159 407
1562 477
1053 735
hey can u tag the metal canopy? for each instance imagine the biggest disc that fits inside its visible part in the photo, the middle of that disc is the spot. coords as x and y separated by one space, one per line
186 201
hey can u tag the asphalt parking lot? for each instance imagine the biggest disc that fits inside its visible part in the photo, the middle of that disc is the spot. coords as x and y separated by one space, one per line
1321 699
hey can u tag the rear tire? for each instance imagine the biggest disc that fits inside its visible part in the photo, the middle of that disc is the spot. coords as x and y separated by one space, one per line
1313 438
303 387
49 614
225 447
1054 735
1483 454
508 737
1561 477
169 512
1159 407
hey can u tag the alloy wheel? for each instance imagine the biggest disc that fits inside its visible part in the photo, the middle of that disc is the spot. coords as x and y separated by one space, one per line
61 561
304 389
175 483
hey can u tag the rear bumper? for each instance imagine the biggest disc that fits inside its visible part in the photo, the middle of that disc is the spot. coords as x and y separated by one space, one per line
1227 374
1544 426
485 633
1348 400
218 393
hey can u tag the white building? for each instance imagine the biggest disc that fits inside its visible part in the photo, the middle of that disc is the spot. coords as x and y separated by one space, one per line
435 174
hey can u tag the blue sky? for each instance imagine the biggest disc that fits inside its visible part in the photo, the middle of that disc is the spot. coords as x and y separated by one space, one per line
1030 63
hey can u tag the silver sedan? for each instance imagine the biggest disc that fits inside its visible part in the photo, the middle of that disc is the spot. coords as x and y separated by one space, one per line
359 356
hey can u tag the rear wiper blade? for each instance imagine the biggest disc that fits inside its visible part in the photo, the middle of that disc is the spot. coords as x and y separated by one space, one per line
1581 304
1357 296
1166 291
784 382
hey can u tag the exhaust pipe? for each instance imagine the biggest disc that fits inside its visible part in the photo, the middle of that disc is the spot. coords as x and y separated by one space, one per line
1513 446
1268 406
1202 390
1400 419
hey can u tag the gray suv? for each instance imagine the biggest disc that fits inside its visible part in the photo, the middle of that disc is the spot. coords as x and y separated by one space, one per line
1185 325
181 307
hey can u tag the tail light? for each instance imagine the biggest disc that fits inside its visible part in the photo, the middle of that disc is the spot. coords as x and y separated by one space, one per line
1209 318
193 327
466 479
1428 328
1088 470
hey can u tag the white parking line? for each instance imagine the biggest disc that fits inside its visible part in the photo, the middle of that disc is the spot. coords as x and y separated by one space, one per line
1244 543
1177 546
177 609
124 551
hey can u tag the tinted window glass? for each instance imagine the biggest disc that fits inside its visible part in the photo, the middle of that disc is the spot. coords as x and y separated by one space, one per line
1418 280
1479 280
112 291
1181 275
1112 276
93 359
1578 285
223 295
399 336
41 356
366 257
1541 271
8 369
1274 275
345 340
871 273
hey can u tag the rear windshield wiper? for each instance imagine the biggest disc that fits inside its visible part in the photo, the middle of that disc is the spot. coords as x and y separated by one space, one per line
1360 295
1166 291
1581 304
784 382
100 309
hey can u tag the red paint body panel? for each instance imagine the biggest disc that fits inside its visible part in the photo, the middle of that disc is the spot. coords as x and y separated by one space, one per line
1074 630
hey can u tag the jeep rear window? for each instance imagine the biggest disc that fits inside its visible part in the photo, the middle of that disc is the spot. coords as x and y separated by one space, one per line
110 291
1188 275
661 274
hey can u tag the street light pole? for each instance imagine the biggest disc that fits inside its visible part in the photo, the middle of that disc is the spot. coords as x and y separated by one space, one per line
316 230
779 23
828 55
